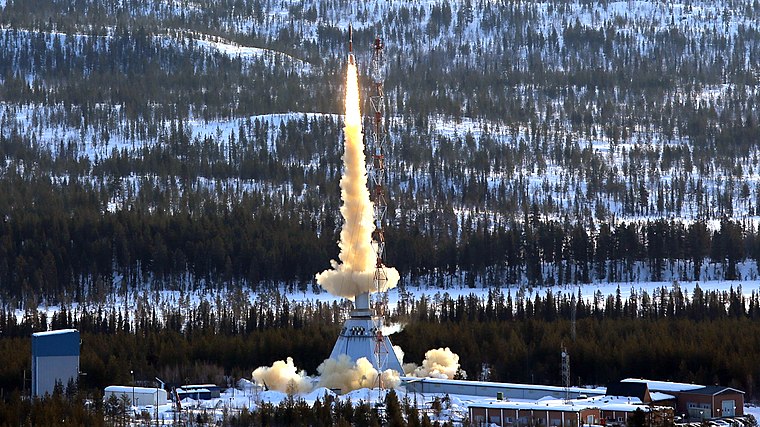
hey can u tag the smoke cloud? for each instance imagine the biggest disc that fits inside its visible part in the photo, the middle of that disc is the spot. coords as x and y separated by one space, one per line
392 328
346 375
354 273
283 376
439 363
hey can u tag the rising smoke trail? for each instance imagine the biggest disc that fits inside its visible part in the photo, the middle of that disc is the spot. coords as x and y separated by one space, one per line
355 272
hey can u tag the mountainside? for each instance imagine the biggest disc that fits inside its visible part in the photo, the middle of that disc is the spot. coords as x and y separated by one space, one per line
174 144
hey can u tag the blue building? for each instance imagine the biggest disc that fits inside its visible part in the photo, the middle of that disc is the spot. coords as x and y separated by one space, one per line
55 358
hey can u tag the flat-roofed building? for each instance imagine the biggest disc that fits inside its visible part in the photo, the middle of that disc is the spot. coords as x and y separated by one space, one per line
137 396
55 359
554 413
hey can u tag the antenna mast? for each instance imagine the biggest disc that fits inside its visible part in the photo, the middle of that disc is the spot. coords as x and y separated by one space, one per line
566 372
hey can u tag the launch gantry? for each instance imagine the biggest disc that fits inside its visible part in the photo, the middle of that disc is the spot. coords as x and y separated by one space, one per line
377 171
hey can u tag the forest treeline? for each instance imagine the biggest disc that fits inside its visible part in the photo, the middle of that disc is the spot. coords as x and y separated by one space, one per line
706 337
597 146
71 406
59 243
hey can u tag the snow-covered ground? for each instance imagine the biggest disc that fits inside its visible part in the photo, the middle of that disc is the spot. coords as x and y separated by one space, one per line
247 395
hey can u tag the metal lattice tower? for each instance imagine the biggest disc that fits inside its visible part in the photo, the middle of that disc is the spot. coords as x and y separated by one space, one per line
377 145
566 372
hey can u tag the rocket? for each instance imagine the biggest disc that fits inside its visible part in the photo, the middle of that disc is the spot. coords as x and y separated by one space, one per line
351 59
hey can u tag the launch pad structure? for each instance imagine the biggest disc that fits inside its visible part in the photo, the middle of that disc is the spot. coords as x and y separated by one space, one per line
362 334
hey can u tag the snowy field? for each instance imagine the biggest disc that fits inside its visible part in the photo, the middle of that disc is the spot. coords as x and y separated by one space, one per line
247 395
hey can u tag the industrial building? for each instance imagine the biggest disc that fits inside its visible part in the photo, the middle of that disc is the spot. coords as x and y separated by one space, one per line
606 410
554 413
493 389
699 402
137 396
509 404
55 359
199 391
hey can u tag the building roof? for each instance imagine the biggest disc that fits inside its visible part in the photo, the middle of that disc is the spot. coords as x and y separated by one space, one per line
658 396
547 388
192 391
664 386
604 403
712 390
56 332
638 390
619 404
128 389
544 405
197 386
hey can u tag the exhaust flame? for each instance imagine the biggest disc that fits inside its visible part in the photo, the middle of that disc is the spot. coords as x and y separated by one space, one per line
355 272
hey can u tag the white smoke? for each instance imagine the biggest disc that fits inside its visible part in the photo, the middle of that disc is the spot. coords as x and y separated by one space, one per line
283 376
354 274
392 329
399 353
439 363
346 375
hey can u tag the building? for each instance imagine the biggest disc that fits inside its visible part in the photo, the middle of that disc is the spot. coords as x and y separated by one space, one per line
199 391
639 392
554 413
137 396
699 402
711 402
55 359
492 389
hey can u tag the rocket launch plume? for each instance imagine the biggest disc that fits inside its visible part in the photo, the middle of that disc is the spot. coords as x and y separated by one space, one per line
348 375
438 363
354 273
283 376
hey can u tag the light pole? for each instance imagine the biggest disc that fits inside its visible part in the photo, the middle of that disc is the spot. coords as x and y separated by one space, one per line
156 402
133 386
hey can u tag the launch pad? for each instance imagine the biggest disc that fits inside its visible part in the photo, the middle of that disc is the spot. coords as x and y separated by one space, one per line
362 336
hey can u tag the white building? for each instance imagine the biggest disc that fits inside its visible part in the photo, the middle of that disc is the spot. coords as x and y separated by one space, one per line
138 396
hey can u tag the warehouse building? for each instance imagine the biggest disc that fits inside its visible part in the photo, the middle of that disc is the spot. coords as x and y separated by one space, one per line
554 413
199 391
137 396
493 390
55 359
699 402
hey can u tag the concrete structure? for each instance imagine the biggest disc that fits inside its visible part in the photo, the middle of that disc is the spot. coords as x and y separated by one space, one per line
137 396
491 389
55 359
361 336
